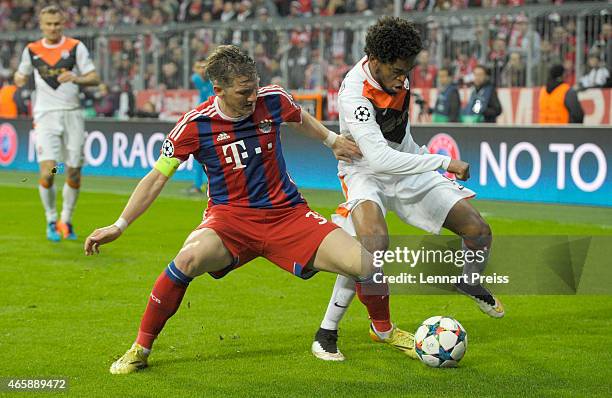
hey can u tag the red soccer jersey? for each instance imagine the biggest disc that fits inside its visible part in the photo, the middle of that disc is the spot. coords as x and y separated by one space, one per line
242 157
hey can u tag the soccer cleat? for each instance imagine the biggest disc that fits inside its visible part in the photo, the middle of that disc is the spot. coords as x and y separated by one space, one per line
324 345
52 234
399 339
487 303
66 230
132 361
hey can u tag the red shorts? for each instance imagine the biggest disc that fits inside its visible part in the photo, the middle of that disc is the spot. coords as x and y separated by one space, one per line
287 237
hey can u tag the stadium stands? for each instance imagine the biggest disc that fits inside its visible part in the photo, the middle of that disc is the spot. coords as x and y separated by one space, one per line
308 46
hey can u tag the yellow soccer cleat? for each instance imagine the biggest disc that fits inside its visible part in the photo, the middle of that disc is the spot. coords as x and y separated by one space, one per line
398 339
132 361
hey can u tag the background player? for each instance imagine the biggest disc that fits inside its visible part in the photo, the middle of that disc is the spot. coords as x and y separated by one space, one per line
205 90
395 174
254 208
60 64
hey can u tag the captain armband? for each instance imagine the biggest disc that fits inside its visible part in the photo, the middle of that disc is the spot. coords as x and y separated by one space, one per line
167 166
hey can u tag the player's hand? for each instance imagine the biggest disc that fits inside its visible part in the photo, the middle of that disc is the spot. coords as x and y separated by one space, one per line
99 237
346 149
20 79
460 168
66 77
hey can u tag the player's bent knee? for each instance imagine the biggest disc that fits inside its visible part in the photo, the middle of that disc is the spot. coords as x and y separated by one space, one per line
46 182
202 252
189 263
375 243
359 264
74 183
478 232
73 178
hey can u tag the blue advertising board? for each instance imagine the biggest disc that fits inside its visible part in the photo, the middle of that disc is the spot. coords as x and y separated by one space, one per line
533 164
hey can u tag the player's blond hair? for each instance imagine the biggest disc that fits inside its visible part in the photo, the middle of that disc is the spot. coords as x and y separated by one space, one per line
228 62
52 9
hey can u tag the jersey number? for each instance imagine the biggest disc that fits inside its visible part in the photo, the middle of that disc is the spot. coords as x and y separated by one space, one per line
316 216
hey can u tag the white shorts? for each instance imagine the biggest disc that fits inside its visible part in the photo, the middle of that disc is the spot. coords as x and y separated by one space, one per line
60 136
421 200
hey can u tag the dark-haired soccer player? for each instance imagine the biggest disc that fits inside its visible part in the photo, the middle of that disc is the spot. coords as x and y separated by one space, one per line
254 210
395 174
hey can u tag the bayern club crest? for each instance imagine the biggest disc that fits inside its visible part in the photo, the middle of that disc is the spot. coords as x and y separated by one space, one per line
265 126
8 144
444 144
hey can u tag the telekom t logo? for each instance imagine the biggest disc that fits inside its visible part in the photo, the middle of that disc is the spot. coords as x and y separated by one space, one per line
236 154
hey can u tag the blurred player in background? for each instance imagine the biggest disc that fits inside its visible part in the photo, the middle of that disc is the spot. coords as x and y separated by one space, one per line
60 64
254 207
205 90
394 174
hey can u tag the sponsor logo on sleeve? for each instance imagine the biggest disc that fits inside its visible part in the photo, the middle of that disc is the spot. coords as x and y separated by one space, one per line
362 114
168 148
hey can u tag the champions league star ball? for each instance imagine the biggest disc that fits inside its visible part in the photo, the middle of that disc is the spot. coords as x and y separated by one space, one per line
440 342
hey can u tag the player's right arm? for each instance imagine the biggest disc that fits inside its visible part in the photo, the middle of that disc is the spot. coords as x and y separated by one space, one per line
25 68
359 117
181 142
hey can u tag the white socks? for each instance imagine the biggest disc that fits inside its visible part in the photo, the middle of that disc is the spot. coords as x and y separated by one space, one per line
344 291
69 198
47 196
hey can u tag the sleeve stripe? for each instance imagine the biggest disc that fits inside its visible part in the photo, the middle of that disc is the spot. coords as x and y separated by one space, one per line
185 116
176 132
273 92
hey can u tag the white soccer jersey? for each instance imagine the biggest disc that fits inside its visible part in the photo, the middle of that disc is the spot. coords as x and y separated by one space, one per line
48 61
378 122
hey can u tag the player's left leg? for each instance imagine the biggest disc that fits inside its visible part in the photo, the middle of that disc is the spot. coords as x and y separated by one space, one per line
74 142
46 189
342 254
70 194
464 220
368 222
203 251
48 131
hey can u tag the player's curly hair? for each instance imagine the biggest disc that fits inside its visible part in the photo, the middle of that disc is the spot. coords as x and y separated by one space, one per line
391 39
228 62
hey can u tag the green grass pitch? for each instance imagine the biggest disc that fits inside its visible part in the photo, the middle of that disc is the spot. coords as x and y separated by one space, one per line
66 315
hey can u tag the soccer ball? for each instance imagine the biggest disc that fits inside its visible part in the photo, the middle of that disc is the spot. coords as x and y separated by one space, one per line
440 342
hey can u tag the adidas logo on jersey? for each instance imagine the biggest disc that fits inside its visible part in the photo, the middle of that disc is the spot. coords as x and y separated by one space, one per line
223 136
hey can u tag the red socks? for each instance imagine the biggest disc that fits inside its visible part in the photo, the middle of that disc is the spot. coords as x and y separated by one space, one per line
377 304
164 301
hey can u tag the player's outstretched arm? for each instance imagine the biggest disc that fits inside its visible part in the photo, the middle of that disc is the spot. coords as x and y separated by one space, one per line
145 193
343 148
